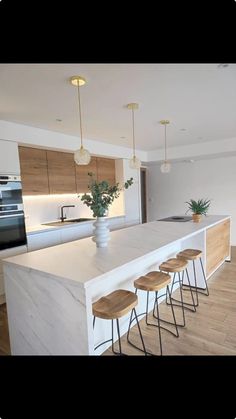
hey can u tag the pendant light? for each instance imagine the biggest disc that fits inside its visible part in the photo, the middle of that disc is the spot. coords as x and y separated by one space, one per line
166 166
81 156
134 163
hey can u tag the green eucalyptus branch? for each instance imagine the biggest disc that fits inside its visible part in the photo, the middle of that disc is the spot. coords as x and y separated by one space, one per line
102 195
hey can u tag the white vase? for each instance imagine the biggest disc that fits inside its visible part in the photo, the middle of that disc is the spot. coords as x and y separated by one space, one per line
101 232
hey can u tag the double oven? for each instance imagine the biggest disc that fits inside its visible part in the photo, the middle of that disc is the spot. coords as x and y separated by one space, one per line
12 220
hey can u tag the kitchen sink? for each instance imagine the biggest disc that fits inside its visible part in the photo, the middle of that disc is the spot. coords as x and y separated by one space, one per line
73 220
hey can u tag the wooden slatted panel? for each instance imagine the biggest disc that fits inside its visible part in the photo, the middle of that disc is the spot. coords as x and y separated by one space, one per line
217 245
34 173
61 172
82 178
106 170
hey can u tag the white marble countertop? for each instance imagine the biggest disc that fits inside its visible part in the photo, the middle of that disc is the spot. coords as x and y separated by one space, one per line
81 261
39 228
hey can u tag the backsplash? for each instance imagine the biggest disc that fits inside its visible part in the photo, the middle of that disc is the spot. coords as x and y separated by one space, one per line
41 209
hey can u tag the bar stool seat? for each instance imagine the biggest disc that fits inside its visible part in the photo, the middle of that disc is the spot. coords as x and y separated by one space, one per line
173 265
193 255
154 281
190 254
113 306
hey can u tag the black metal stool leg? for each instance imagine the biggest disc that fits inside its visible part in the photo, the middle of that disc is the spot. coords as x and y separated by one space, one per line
147 307
195 282
118 332
140 333
173 282
172 309
112 336
158 321
191 291
94 318
181 297
130 321
204 276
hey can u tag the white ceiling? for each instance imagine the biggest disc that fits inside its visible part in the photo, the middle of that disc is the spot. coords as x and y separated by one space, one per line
198 97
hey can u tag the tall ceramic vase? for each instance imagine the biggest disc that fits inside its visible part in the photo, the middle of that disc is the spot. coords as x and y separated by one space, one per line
101 232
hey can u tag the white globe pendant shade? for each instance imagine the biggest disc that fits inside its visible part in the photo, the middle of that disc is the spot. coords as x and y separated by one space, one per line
82 156
134 163
165 167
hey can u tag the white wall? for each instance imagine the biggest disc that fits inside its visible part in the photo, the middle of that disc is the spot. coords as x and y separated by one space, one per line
213 178
37 137
132 195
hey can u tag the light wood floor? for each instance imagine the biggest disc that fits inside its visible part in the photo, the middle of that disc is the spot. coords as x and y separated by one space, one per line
209 331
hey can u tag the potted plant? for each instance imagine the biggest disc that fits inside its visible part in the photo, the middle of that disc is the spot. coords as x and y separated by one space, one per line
100 197
198 208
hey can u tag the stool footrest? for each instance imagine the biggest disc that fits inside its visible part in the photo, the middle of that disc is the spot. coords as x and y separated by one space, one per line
193 309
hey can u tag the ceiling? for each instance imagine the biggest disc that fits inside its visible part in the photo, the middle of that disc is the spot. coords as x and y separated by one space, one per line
199 98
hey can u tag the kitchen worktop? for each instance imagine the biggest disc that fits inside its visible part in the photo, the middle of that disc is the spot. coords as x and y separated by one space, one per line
39 228
50 292
81 261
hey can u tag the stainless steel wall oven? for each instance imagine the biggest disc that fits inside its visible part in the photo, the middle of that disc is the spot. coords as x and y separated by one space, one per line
12 221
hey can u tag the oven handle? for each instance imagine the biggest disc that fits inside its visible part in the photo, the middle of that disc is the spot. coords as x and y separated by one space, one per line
13 215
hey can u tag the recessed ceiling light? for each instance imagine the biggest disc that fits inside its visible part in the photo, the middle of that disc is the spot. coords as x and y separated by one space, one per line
59 120
189 161
199 138
222 65
123 138
183 129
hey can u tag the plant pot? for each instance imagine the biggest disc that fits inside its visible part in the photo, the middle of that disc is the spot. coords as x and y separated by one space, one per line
197 218
101 232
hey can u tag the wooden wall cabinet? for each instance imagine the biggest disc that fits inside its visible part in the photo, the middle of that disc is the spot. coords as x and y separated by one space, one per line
217 245
54 172
106 170
34 172
61 172
82 178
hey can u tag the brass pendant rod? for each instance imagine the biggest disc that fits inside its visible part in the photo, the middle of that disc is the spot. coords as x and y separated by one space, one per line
133 132
165 143
80 118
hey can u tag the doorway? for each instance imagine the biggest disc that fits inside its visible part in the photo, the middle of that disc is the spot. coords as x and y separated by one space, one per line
143 184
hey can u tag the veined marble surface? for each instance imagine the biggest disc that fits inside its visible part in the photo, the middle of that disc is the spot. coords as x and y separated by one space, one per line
81 261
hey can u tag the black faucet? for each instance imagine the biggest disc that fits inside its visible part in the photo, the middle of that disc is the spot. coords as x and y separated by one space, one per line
62 217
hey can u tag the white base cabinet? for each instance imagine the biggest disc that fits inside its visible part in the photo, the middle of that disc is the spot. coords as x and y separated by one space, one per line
43 239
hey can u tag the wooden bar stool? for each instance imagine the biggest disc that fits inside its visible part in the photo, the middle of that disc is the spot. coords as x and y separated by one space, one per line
192 255
178 266
154 281
113 306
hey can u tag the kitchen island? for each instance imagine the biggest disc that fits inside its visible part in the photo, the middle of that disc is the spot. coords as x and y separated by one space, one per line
50 292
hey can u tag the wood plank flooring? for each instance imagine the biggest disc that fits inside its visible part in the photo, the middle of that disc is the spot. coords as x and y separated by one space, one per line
209 331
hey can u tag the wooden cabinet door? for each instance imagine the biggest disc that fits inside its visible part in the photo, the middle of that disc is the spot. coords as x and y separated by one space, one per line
82 178
106 170
34 173
61 172
217 245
